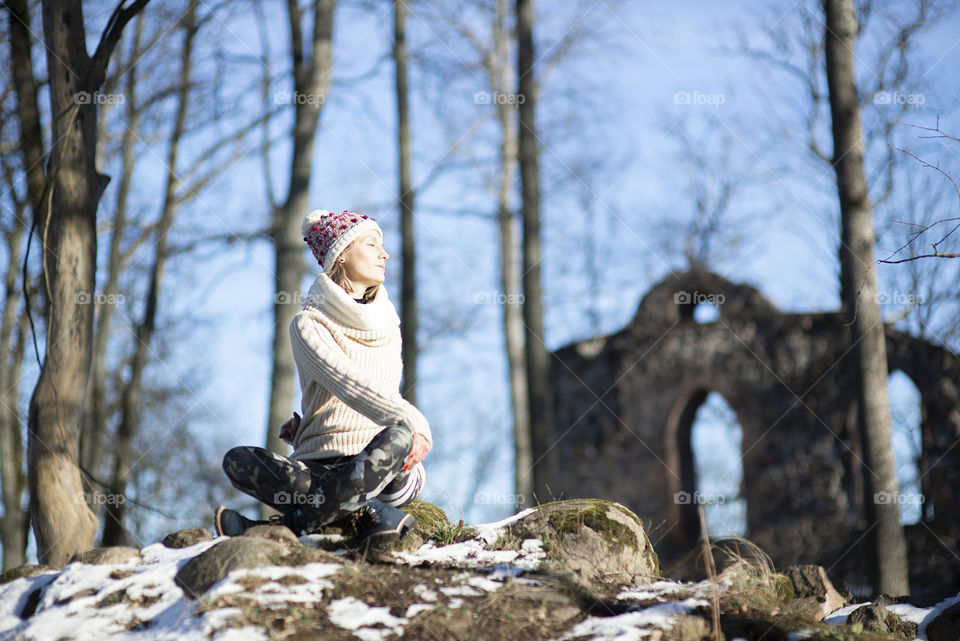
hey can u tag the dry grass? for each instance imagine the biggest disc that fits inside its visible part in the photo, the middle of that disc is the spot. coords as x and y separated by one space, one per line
448 533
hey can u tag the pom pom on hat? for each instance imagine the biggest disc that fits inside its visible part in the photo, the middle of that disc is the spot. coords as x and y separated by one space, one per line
328 234
310 221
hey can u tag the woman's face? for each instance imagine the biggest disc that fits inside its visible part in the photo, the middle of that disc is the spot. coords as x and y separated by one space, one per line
365 262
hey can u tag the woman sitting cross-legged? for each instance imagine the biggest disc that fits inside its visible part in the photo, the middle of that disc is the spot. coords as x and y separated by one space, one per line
360 444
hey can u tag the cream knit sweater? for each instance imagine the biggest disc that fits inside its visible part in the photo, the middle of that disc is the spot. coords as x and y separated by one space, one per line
348 358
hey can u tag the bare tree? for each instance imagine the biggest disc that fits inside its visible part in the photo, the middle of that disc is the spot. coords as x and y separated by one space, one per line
311 70
718 170
123 454
501 78
63 523
408 253
798 47
14 524
29 145
475 50
859 285
159 80
540 389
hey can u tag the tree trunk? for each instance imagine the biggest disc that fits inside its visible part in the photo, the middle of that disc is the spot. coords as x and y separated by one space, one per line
311 80
859 287
28 111
502 81
124 458
13 525
63 524
540 388
408 255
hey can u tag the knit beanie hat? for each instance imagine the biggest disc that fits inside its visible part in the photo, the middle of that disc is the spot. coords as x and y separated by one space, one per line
328 234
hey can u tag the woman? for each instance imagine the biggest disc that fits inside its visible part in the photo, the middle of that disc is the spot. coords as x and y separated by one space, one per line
360 445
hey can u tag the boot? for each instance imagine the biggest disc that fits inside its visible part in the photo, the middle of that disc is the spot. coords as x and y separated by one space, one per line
381 525
229 522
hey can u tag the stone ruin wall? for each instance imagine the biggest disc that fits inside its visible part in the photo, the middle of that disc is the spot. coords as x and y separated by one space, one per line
626 404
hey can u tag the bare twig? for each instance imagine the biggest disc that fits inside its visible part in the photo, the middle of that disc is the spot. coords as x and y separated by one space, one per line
711 574
938 133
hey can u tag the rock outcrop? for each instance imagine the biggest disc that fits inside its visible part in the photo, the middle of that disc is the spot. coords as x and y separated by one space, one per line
580 569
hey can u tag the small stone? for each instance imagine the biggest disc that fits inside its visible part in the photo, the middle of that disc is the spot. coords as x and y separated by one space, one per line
813 590
279 533
876 618
25 571
186 538
106 556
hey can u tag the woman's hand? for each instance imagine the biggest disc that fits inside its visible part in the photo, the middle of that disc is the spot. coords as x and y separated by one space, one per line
289 429
418 452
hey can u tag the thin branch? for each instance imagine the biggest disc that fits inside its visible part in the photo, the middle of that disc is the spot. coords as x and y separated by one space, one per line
936 254
108 41
939 133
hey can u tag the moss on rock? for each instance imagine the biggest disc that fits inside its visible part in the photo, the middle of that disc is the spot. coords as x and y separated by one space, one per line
594 538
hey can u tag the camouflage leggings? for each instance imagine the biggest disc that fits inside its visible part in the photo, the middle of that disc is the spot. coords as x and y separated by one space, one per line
311 494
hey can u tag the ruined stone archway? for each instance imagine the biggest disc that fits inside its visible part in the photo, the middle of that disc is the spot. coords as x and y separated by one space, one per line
622 398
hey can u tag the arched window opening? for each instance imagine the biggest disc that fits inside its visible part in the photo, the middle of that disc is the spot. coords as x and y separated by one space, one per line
716 442
905 417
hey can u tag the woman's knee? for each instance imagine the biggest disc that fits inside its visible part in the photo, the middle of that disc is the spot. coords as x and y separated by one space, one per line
249 466
234 459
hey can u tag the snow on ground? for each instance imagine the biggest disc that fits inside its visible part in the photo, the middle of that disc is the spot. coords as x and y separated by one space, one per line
473 553
634 625
366 622
138 599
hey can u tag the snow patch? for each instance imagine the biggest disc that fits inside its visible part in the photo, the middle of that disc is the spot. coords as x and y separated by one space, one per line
632 626
369 623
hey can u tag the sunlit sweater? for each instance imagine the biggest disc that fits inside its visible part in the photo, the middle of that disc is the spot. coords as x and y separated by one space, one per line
348 359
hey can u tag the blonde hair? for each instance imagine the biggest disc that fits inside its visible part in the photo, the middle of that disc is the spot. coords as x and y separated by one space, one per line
339 276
